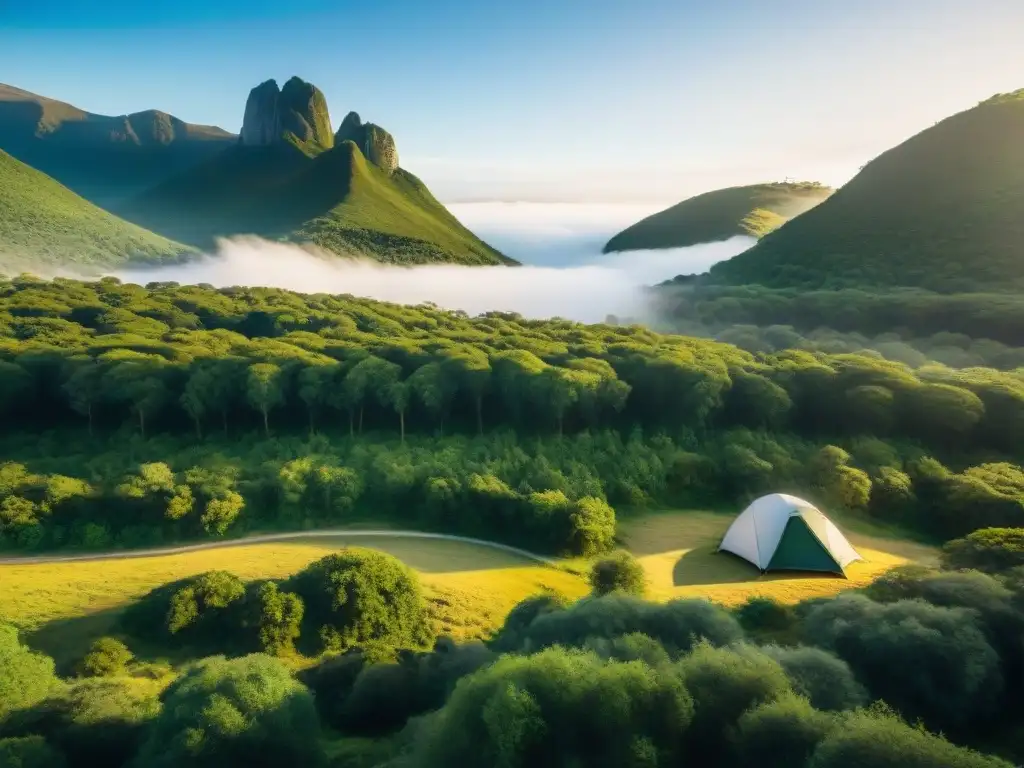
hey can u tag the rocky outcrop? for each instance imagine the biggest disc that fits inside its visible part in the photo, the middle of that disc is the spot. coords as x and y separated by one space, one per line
351 129
376 144
298 109
379 148
261 124
302 110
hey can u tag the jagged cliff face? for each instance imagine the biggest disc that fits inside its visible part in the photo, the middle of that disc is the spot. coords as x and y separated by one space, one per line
262 124
299 109
376 144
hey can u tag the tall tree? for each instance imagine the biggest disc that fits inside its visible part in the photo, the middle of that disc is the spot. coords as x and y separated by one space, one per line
265 389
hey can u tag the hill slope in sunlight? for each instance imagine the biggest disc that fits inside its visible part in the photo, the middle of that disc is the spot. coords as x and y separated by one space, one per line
753 211
944 210
44 223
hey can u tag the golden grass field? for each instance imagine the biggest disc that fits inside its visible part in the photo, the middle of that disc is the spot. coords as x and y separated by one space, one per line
677 549
470 588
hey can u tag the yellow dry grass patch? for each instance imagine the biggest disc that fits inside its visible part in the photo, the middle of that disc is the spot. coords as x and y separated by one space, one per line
470 588
677 550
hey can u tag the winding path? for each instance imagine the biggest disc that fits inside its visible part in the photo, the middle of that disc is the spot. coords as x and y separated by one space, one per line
272 537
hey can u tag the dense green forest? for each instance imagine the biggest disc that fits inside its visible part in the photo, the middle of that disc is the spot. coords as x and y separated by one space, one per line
913 326
139 415
922 668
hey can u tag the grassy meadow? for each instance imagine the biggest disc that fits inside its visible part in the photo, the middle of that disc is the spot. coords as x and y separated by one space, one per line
469 588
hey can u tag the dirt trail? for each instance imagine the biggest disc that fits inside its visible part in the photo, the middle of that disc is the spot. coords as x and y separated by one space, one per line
267 538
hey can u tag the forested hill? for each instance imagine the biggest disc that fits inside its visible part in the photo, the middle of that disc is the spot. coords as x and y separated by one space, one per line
943 211
104 158
753 211
43 223
291 178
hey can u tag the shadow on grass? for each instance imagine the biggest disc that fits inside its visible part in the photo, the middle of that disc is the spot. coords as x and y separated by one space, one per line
68 640
704 565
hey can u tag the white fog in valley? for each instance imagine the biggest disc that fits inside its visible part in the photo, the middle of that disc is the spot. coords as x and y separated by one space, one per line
564 273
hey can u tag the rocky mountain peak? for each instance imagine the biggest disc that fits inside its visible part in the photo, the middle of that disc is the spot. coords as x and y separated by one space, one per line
261 124
299 109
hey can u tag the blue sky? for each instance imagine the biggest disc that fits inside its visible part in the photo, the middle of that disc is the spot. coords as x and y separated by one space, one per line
617 100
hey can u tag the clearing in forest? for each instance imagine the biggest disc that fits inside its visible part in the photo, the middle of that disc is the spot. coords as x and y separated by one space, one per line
470 588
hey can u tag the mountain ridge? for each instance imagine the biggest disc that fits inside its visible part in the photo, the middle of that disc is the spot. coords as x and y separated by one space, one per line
290 177
104 158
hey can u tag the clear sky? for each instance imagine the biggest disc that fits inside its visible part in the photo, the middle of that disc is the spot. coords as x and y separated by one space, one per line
618 100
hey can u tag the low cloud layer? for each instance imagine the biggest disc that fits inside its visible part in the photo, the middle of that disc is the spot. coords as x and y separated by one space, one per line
587 292
564 273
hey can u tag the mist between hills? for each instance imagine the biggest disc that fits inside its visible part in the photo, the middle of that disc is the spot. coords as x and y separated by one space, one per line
588 290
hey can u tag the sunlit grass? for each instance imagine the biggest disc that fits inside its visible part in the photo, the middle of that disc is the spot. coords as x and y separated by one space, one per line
469 588
678 551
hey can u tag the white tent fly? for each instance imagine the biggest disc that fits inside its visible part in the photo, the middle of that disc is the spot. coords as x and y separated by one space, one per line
782 532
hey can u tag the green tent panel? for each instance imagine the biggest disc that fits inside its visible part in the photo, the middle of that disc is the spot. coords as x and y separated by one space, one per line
799 549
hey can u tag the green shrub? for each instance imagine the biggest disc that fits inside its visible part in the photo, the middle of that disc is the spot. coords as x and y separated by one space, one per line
989 549
618 572
781 733
560 707
823 678
107 656
360 596
246 711
875 739
26 677
725 683
29 752
926 661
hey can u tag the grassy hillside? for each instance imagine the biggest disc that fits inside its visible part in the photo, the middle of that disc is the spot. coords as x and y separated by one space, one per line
42 222
105 159
944 210
334 198
754 210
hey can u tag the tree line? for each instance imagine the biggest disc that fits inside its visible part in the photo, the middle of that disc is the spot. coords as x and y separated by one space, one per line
169 358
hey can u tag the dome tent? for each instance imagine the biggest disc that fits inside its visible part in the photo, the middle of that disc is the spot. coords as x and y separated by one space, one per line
781 532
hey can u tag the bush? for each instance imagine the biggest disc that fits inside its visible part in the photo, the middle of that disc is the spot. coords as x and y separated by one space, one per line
107 656
765 618
876 739
632 647
780 734
514 631
618 572
278 617
927 662
96 722
677 625
26 677
359 596
560 707
205 612
989 549
823 678
29 752
247 711
725 683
